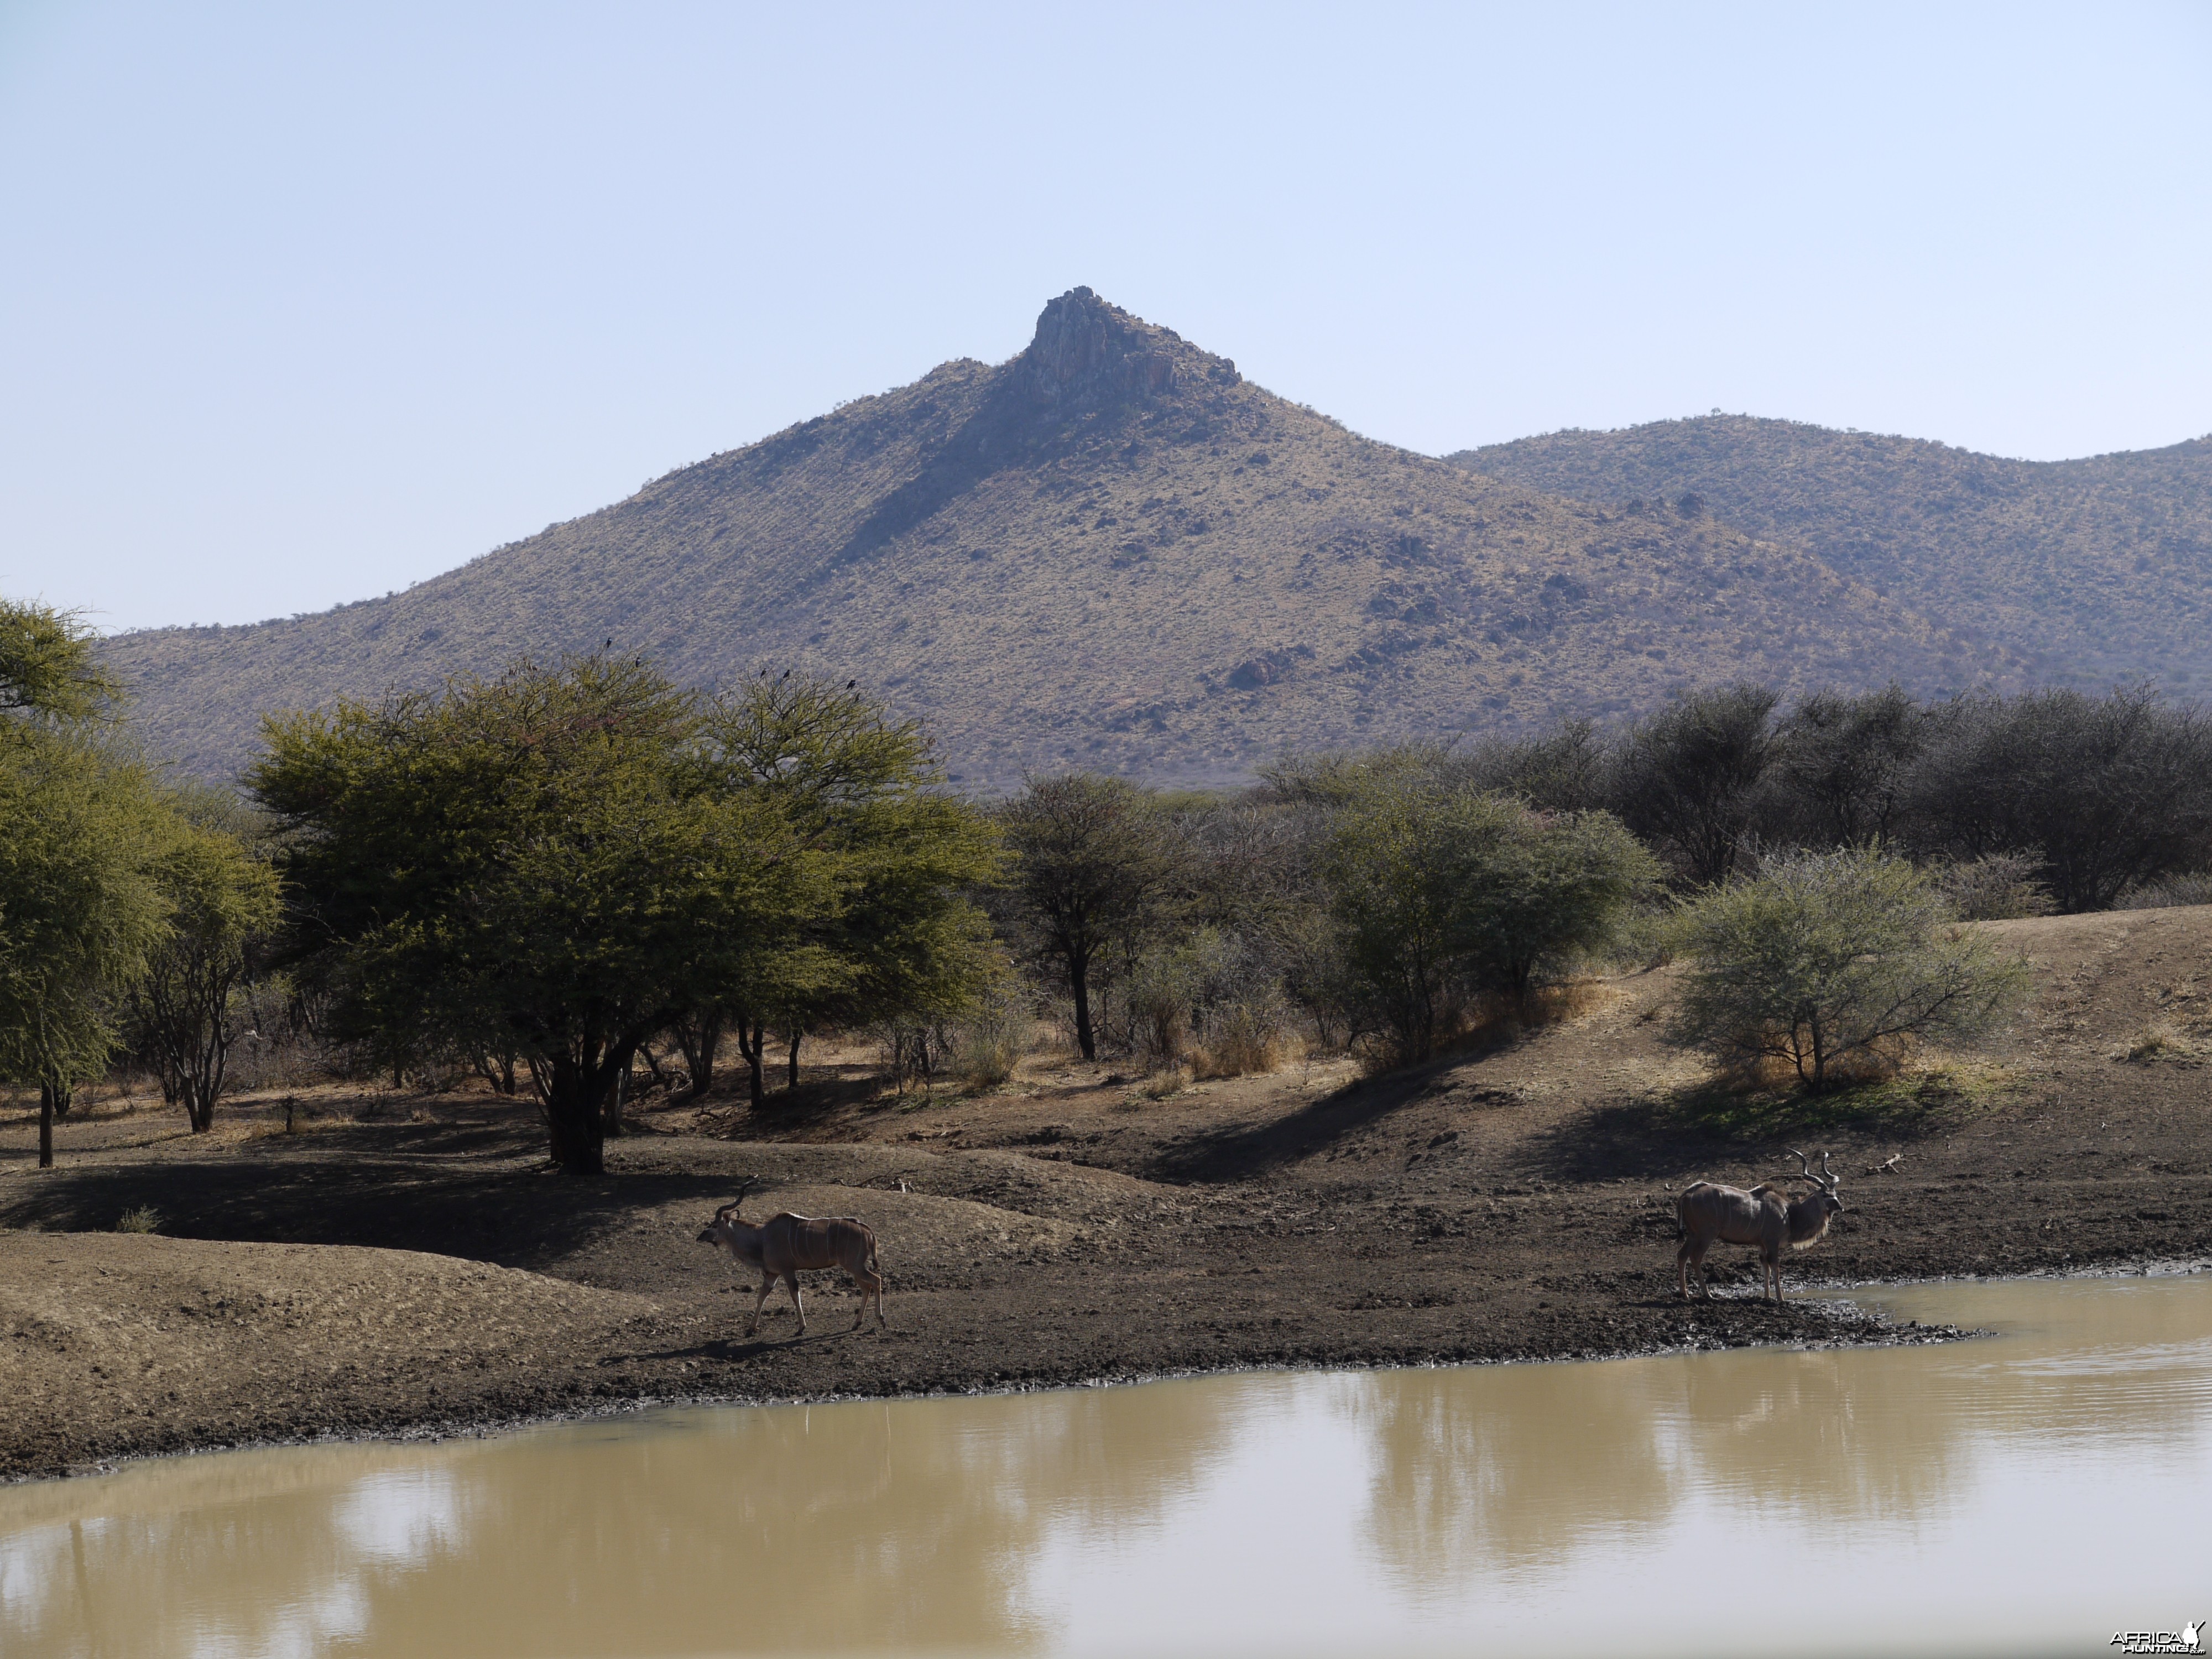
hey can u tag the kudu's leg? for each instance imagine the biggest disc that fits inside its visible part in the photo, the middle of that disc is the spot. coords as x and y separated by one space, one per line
791 1278
766 1284
1691 1256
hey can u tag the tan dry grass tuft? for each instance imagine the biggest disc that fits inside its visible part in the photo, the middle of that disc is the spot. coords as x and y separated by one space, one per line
1242 1053
2158 1041
1170 1080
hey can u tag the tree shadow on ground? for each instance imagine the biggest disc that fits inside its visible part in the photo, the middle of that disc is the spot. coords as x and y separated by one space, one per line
515 1216
1240 1153
1662 1132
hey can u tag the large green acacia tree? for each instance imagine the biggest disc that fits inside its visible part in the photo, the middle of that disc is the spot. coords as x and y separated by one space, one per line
862 787
81 828
547 861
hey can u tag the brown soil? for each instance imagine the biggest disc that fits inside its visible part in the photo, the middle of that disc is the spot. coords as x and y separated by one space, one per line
406 1261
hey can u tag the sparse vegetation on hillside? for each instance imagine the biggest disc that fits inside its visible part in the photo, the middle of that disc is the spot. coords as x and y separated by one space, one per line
1109 553
2088 571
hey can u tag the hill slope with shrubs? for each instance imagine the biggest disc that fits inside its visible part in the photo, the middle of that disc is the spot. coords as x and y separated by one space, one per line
2091 570
1111 550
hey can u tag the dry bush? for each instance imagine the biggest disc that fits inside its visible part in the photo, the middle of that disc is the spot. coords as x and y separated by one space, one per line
1996 887
988 1045
2173 891
144 1219
1169 1080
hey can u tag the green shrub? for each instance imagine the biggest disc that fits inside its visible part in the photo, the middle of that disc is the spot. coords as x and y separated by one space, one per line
1829 962
144 1219
1442 896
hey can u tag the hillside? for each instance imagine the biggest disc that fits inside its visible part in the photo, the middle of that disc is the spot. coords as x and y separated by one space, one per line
2091 570
1110 550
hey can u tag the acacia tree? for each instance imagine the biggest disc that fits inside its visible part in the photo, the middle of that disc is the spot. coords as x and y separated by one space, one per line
186 1010
1828 955
1687 779
903 940
2105 792
540 861
1438 893
1842 766
80 825
1093 857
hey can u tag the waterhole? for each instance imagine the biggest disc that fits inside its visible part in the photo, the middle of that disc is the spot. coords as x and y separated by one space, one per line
2031 1492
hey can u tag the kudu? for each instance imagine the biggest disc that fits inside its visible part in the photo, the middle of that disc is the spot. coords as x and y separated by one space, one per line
785 1245
1765 1216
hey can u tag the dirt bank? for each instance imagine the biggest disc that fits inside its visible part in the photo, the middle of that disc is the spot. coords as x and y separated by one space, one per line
1514 1204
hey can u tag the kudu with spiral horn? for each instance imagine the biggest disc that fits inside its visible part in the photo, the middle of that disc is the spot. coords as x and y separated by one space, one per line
1765 1216
785 1245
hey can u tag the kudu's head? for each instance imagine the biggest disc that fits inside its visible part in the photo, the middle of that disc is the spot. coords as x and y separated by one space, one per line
723 1229
1824 1184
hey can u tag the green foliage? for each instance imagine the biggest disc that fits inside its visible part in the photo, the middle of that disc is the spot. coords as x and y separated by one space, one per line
145 1219
544 861
1825 958
564 862
1914 1101
48 666
82 906
1687 779
904 942
188 1008
1439 894
2106 792
1095 861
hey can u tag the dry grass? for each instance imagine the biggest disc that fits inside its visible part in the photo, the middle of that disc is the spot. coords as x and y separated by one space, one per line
144 1219
1169 1080
2159 1040
1243 1054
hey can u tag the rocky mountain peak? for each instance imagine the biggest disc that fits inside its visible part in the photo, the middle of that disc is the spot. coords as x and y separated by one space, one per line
1088 352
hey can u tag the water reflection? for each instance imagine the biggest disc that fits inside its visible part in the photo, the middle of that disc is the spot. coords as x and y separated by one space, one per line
1219 1510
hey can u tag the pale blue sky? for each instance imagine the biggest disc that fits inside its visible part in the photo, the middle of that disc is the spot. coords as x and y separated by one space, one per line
305 303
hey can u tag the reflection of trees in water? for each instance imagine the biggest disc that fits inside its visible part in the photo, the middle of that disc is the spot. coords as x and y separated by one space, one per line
859 1525
1512 1468
914 1524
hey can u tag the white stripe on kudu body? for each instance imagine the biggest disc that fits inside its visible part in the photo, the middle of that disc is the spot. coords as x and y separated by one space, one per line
1764 1216
785 1245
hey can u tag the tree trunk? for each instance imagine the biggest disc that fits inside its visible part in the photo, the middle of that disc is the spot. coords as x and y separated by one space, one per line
610 1104
792 1081
64 1096
572 1114
752 1041
1079 979
45 1126
699 1039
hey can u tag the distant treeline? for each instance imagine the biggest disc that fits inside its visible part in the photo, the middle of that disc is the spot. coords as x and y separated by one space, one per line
2074 802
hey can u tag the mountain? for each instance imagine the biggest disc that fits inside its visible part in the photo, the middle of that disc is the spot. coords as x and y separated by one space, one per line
1111 550
2089 571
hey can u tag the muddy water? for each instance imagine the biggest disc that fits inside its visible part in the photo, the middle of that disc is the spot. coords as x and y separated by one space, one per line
2031 1492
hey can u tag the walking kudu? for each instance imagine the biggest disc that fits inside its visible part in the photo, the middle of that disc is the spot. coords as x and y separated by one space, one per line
785 1245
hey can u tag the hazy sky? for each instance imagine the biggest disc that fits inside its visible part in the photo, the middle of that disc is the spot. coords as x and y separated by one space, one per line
305 303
